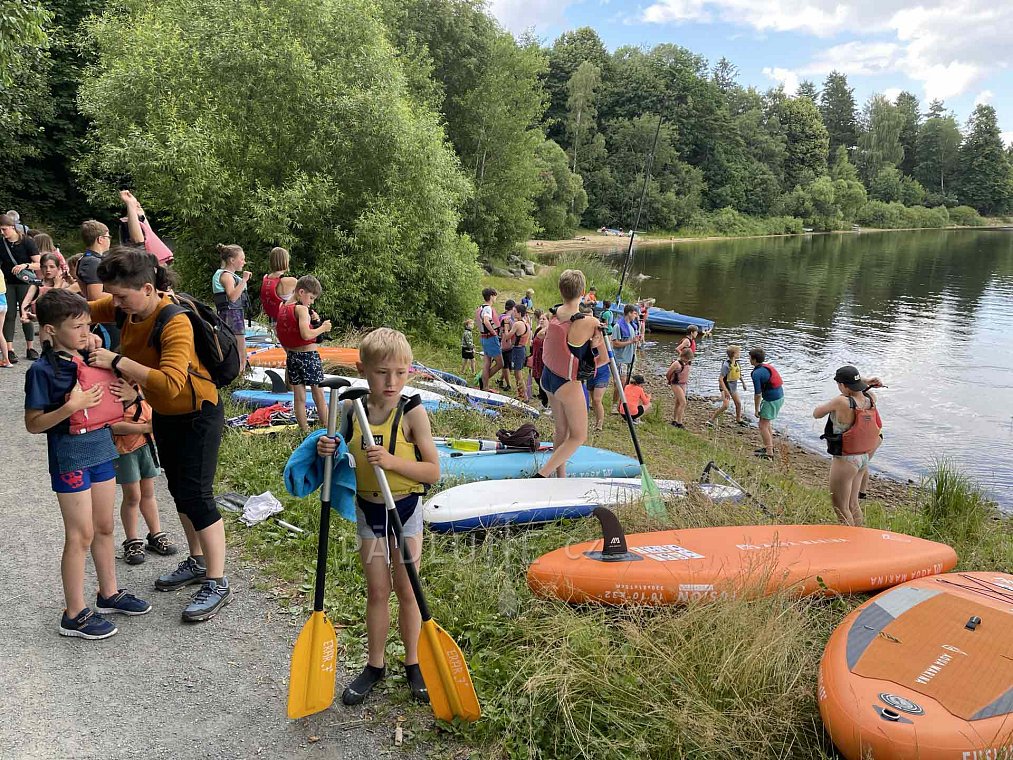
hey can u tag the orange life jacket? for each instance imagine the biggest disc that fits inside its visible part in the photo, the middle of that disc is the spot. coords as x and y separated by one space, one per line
557 356
287 328
269 297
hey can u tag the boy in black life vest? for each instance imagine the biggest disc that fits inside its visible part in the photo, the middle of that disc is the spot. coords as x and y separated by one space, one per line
299 338
76 421
768 398
406 452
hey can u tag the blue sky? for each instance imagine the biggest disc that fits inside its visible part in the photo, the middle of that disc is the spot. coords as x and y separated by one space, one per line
957 50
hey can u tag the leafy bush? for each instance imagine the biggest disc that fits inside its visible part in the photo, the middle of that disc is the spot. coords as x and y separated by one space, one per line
965 216
285 123
881 214
731 223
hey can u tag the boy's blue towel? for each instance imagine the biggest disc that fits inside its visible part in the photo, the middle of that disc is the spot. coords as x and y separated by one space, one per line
304 474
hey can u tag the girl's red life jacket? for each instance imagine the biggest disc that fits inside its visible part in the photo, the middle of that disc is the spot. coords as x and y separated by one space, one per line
557 356
287 328
775 378
535 360
525 338
863 435
107 411
269 298
678 372
481 325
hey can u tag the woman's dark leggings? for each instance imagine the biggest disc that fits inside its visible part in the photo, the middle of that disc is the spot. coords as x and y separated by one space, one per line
16 292
188 448
640 412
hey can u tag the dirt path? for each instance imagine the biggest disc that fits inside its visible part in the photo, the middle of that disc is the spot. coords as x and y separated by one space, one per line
158 689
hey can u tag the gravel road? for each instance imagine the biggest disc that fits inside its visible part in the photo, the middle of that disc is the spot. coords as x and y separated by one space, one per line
159 688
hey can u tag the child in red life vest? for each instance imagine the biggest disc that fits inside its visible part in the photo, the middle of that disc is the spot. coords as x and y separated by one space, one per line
768 398
136 470
277 288
852 435
298 336
75 410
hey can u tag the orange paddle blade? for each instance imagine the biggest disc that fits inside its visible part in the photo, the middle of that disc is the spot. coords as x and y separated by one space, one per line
314 658
445 671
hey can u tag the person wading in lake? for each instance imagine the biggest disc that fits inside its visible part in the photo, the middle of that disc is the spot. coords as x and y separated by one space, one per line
852 435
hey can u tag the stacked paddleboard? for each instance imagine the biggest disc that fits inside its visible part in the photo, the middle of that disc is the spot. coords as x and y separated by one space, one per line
680 566
587 461
924 671
490 503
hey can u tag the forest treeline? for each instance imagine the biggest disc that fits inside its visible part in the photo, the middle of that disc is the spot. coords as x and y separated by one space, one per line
405 138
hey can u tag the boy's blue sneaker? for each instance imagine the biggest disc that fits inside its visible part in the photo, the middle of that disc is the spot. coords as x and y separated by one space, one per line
211 597
189 571
123 603
87 625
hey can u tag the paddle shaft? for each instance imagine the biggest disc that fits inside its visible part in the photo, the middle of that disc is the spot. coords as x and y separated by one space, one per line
325 508
627 412
648 163
392 515
713 466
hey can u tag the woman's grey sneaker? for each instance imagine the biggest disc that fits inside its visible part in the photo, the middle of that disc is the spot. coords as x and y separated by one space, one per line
188 571
123 603
133 551
87 625
207 602
160 544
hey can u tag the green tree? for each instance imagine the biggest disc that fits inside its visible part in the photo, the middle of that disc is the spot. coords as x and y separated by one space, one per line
938 150
842 168
335 159
565 56
725 74
984 168
839 111
887 185
23 37
910 109
582 111
559 206
807 142
807 89
880 145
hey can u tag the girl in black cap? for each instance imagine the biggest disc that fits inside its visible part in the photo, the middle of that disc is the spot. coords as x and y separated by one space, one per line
852 434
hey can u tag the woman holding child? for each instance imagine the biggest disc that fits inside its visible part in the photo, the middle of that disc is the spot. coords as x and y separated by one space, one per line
188 416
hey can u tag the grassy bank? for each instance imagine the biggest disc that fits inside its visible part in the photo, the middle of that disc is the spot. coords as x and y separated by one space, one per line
731 679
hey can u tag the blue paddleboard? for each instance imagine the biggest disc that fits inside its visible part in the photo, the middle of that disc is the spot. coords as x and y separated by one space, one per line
586 462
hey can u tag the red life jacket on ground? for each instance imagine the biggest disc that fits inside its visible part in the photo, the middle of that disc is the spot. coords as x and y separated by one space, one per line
481 325
557 356
108 410
287 328
269 297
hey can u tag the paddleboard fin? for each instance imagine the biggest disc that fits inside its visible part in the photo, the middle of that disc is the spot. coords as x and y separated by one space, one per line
277 382
615 548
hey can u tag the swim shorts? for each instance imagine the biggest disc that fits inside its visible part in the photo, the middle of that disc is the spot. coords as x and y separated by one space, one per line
135 466
77 481
371 519
518 357
770 409
304 368
491 347
601 378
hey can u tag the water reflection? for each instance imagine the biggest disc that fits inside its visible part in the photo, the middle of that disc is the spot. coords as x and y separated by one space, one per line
931 312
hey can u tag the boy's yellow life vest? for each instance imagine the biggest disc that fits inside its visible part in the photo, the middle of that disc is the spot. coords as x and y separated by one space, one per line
734 372
384 433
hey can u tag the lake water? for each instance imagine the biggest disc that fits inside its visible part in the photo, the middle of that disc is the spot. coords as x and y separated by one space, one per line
931 313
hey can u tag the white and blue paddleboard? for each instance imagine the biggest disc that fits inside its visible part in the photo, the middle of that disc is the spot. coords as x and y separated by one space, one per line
587 461
491 503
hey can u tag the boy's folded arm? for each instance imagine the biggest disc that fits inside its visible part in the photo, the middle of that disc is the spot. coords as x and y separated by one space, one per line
130 428
38 421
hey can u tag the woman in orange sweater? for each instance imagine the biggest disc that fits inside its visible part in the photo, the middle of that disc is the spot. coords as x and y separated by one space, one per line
187 420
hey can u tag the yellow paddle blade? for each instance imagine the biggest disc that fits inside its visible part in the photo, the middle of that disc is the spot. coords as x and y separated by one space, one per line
451 692
314 658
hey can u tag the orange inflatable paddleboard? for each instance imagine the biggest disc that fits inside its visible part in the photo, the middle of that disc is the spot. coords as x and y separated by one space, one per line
275 357
924 671
679 566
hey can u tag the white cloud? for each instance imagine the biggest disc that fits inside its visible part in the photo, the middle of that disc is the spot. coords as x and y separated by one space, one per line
984 98
520 15
947 45
1007 138
786 77
891 93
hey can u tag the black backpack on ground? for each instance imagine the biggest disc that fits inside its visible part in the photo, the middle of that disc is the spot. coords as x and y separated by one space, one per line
213 339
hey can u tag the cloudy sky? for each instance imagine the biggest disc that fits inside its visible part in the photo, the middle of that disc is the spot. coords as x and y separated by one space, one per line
957 50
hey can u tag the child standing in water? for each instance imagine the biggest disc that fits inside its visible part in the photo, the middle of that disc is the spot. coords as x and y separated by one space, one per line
468 348
678 378
728 383
231 298
406 452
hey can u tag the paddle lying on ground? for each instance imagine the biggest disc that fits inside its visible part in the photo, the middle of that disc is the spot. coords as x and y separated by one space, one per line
653 502
444 669
315 655
503 450
712 467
